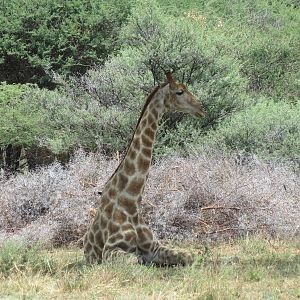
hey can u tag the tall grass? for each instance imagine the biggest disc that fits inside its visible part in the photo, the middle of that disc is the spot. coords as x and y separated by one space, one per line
246 269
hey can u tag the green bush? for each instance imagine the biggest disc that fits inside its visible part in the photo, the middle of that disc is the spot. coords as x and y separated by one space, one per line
102 107
268 129
64 36
263 35
222 50
20 122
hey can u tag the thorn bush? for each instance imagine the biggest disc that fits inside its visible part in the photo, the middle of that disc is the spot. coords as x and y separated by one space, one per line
209 197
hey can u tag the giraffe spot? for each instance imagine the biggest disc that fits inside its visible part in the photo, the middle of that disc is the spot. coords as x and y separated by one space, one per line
147 152
150 119
124 246
145 246
136 143
103 222
146 141
147 232
108 209
122 181
115 238
154 126
150 133
119 216
95 226
112 193
135 219
154 113
135 186
127 227
143 164
91 237
105 233
88 248
113 228
132 154
129 167
144 122
144 234
97 251
128 205
130 236
99 239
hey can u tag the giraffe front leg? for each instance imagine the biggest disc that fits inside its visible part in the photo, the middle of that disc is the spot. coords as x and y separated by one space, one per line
152 252
163 256
124 247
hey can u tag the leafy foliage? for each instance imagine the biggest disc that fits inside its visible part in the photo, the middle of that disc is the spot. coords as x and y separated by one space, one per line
20 119
64 36
268 129
228 53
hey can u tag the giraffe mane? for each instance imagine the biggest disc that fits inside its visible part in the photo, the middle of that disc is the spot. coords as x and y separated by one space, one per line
148 100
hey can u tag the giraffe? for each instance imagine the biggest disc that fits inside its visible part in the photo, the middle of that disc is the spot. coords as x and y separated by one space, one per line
118 228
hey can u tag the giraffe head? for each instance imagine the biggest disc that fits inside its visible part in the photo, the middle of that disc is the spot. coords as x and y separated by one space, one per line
180 99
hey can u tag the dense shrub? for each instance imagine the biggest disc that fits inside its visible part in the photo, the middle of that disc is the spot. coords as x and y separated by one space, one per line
102 107
221 50
64 36
269 129
20 119
262 34
202 198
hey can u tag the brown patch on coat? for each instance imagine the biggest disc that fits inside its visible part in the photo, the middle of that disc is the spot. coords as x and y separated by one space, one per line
113 228
150 133
146 141
95 226
144 234
136 144
103 222
128 205
108 209
132 154
116 237
143 164
99 239
91 237
135 186
129 167
150 119
112 193
98 251
123 180
147 152
119 216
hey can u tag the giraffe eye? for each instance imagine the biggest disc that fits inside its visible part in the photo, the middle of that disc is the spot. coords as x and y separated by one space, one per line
179 92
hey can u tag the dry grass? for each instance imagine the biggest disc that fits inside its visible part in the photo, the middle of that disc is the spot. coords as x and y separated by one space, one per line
205 198
246 269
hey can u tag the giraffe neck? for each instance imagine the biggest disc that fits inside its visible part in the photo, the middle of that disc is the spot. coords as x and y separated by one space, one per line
130 177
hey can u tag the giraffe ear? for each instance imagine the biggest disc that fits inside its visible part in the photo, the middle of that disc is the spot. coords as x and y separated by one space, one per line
170 79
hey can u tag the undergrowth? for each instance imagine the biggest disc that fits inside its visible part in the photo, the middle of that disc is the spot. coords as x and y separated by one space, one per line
204 198
249 268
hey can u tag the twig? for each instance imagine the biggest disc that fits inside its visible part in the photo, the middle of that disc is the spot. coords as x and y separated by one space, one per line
219 207
203 222
222 230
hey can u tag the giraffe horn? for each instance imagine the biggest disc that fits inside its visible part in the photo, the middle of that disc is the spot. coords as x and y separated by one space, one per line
169 77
